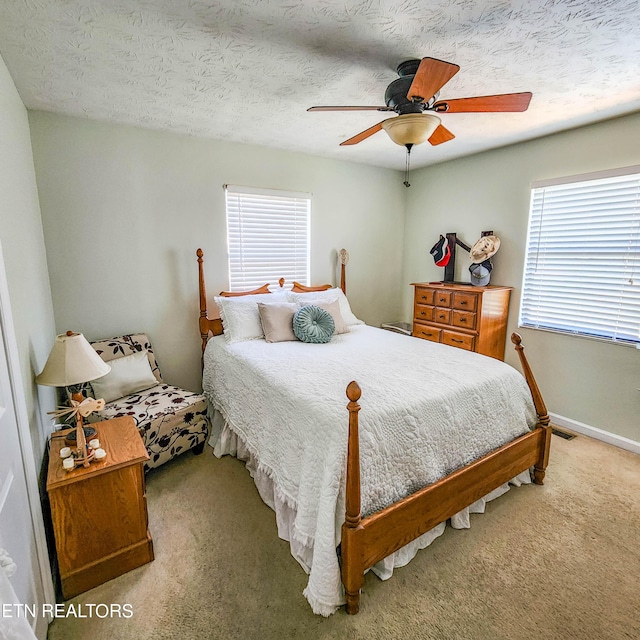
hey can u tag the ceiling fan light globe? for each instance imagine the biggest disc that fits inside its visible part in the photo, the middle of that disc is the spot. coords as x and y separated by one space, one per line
411 128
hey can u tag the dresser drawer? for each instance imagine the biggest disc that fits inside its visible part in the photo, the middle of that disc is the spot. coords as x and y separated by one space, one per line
443 298
461 340
423 312
464 319
465 301
424 296
426 333
442 316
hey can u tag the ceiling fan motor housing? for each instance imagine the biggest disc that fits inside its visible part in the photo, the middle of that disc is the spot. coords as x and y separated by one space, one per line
396 94
408 67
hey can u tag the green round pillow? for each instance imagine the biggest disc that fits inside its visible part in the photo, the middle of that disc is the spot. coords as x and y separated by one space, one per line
313 324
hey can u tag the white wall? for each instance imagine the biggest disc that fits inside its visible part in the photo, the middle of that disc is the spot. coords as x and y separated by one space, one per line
591 382
24 255
124 210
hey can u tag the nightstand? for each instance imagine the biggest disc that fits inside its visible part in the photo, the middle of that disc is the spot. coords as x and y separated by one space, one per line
99 514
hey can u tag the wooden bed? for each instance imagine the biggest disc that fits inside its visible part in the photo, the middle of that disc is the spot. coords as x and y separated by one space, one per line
365 541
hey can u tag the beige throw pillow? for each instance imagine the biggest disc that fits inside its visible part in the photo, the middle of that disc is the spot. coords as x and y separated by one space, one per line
128 375
277 321
333 308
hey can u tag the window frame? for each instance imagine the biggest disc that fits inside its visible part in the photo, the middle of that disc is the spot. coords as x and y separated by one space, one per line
533 293
239 258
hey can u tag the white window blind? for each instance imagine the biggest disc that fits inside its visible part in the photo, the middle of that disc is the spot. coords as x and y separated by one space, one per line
582 266
268 236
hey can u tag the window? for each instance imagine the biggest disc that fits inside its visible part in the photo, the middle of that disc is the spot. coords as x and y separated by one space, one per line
582 265
268 236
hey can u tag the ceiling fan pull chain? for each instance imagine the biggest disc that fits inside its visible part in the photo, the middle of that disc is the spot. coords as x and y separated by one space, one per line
406 168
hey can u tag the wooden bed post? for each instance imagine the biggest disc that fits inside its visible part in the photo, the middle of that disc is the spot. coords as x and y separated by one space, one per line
343 256
541 409
204 321
352 550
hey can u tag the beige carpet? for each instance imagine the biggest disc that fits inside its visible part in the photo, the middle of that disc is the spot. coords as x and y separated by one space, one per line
555 562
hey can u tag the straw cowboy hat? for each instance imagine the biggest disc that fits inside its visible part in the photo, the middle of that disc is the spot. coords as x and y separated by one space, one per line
484 248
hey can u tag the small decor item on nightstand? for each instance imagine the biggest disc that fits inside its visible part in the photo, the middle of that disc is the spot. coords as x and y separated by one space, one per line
80 410
73 361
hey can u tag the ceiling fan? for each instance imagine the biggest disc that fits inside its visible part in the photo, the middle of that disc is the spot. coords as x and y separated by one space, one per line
415 92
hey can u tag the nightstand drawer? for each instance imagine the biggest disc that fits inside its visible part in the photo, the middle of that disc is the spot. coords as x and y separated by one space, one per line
426 333
463 319
461 340
443 316
423 312
424 296
465 301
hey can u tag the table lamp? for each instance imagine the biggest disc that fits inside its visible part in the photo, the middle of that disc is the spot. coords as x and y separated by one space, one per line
73 361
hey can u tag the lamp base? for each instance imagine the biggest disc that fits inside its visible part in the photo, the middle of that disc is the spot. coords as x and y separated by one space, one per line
89 434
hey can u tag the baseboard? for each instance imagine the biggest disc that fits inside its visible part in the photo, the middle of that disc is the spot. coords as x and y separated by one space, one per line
594 432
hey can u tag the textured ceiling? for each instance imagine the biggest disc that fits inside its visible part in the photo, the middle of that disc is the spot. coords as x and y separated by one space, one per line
246 70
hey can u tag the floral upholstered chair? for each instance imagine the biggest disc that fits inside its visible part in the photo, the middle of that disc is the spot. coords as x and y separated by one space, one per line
170 420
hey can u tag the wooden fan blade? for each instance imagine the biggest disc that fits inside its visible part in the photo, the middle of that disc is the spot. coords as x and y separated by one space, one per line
440 135
486 104
363 135
350 109
431 76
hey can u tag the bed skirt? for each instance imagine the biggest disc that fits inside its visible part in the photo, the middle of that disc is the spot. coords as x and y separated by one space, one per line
225 441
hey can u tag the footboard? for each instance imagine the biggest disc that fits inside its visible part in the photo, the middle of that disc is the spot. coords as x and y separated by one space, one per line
366 541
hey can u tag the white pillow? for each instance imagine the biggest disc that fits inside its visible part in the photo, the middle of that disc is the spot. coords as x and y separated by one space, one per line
128 375
240 317
327 296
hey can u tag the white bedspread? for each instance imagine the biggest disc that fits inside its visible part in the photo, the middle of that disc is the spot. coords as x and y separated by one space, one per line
427 409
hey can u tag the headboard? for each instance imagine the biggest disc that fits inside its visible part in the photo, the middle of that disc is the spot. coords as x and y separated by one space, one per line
213 326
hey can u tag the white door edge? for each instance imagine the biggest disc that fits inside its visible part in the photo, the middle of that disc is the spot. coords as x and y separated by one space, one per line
24 435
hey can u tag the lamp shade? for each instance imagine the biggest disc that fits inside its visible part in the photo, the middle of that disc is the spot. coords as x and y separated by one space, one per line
72 361
411 128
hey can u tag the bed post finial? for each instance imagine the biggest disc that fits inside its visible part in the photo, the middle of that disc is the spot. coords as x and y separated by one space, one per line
541 410
351 548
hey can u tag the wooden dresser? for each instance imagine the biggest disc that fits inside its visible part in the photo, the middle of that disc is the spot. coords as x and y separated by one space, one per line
99 514
468 317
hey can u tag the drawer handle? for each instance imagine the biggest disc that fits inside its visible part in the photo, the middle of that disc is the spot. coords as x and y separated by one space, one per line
423 297
422 313
454 340
441 317
463 302
424 333
463 319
